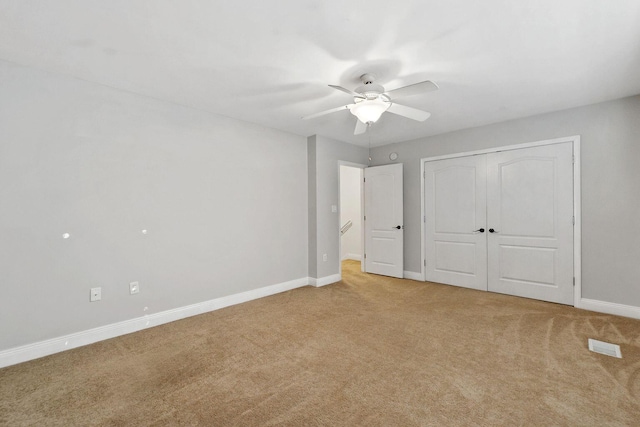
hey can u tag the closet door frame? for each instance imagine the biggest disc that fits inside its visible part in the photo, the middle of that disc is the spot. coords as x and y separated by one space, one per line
577 230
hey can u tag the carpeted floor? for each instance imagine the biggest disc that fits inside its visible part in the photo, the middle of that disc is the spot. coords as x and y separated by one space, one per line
370 351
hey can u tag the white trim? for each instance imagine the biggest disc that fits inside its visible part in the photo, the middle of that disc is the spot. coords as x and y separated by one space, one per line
413 275
609 308
423 226
351 164
572 138
354 257
323 281
577 226
363 248
79 339
577 230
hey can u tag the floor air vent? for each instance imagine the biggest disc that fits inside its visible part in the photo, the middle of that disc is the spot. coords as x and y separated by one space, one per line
605 348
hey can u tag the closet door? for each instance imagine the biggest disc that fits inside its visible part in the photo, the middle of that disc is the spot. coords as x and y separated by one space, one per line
455 221
530 222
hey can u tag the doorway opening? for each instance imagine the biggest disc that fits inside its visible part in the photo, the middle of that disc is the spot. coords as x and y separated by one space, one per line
351 243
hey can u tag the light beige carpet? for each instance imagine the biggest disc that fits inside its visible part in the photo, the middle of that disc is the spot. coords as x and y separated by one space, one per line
370 351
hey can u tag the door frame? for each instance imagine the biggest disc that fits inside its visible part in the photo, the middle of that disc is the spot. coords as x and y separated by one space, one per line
577 228
362 168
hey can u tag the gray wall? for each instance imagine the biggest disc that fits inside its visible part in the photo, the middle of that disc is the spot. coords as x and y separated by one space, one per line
231 206
312 207
610 139
328 153
224 203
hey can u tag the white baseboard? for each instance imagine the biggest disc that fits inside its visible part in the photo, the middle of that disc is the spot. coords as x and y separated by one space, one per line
36 350
355 257
323 281
609 308
413 275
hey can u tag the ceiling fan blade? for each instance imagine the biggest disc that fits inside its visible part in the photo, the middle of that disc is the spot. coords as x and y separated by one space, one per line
414 89
360 127
350 92
322 113
409 112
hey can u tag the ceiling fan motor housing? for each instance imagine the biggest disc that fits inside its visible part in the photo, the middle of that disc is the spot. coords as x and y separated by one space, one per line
369 89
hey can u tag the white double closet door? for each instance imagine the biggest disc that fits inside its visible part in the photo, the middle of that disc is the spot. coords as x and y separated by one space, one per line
503 222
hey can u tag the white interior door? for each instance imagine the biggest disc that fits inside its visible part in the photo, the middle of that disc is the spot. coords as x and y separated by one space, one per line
383 214
530 210
455 221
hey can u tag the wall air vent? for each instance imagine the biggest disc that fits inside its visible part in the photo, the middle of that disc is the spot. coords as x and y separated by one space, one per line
605 348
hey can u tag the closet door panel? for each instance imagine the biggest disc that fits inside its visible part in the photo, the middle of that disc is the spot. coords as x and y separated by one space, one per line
455 207
530 210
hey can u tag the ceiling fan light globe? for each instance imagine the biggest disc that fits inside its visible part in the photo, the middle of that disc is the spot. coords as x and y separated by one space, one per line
370 110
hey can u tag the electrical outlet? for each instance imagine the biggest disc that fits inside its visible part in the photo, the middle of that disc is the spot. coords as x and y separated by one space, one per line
134 288
96 294
324 257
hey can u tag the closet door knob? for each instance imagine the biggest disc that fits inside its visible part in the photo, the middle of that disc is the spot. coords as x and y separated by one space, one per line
479 230
398 227
491 230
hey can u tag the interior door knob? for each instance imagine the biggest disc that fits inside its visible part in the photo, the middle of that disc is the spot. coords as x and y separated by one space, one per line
491 230
398 227
479 230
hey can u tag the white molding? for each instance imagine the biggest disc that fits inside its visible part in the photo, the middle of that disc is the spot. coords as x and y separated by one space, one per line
39 349
423 226
354 257
609 308
577 226
572 138
323 281
413 275
351 164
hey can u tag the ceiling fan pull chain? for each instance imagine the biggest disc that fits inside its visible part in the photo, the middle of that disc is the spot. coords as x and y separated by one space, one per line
369 132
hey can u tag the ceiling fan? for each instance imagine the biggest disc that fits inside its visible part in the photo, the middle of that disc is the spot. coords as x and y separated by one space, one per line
371 100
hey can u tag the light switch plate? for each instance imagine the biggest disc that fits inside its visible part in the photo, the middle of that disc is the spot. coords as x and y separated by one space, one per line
134 288
96 294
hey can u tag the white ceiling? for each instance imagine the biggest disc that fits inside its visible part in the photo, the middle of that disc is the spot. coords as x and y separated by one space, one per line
269 62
